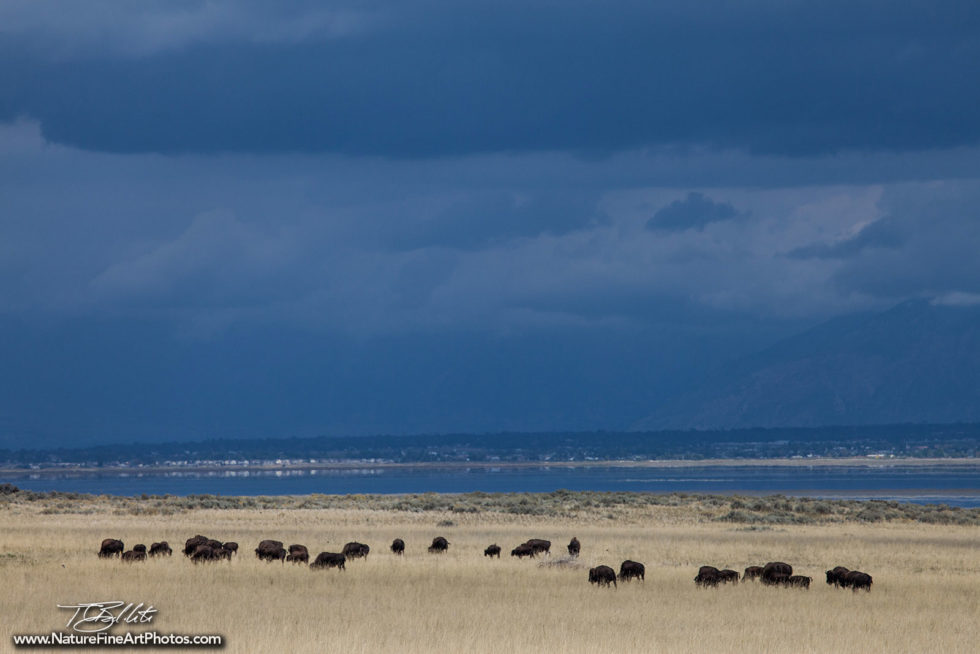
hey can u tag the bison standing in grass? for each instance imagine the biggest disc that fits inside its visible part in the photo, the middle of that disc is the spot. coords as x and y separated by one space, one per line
632 570
602 575
355 550
856 579
192 544
707 576
799 581
298 554
271 550
776 573
835 577
161 549
574 547
752 572
539 545
439 545
523 550
329 560
111 547
398 546
492 551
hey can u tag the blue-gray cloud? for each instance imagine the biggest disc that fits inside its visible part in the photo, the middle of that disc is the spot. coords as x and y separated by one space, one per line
696 211
429 78
883 233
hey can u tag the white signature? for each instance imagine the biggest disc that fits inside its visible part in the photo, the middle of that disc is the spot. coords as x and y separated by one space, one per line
92 617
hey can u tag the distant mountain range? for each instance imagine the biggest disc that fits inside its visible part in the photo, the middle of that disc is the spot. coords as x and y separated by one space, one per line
918 362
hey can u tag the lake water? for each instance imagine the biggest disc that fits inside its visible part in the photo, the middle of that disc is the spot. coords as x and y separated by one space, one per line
953 485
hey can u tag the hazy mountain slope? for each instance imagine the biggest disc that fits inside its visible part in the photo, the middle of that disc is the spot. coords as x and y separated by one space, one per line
917 362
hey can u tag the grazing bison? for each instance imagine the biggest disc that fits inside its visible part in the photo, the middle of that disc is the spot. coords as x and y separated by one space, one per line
574 547
298 554
355 550
855 579
727 577
776 573
523 550
231 546
439 545
139 547
161 549
329 560
777 567
799 581
204 553
398 546
631 569
132 556
602 575
111 547
539 545
752 572
192 544
835 577
271 550
707 576
492 551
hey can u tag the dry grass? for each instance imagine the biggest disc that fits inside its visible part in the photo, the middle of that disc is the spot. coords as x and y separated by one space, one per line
926 595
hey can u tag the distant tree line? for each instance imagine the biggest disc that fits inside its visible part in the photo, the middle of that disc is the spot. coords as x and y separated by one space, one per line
958 440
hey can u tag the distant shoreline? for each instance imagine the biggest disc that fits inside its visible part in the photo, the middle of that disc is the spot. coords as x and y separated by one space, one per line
824 462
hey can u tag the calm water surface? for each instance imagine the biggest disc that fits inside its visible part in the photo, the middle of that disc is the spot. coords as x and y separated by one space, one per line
954 485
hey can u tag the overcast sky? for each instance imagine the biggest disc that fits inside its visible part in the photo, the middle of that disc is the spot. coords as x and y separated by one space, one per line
228 218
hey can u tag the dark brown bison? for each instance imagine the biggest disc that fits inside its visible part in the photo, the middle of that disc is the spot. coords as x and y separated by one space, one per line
727 577
602 575
329 560
856 579
835 577
298 554
799 581
707 576
139 547
439 545
132 556
574 547
161 549
204 553
231 546
355 550
539 545
398 546
111 547
632 570
523 550
492 550
776 573
752 572
271 550
192 543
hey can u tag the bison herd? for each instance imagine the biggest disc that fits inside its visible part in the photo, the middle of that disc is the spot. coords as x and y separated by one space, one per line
777 573
201 549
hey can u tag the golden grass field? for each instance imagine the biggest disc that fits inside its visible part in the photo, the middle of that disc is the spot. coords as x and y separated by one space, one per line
926 595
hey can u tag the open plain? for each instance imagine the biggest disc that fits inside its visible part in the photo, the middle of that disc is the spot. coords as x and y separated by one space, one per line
925 597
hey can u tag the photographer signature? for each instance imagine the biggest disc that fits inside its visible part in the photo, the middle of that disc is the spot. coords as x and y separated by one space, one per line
92 617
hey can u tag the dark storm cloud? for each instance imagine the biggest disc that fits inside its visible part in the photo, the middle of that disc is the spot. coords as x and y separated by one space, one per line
422 79
935 238
885 232
478 220
696 211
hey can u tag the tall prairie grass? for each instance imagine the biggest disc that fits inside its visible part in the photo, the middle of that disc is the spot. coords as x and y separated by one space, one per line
926 594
